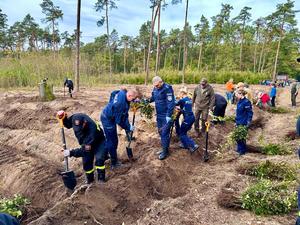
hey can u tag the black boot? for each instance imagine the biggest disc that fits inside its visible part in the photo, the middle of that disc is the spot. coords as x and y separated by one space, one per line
101 175
164 154
90 178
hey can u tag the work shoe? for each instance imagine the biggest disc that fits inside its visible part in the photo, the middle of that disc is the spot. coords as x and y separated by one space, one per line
159 152
101 176
181 146
164 154
193 149
89 178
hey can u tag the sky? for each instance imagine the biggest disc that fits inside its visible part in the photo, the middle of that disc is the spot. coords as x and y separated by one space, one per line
131 14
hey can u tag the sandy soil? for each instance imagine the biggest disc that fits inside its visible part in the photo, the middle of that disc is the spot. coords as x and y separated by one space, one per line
181 190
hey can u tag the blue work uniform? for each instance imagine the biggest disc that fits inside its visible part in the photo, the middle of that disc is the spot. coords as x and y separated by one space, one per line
243 117
69 84
91 138
6 219
115 112
164 104
186 108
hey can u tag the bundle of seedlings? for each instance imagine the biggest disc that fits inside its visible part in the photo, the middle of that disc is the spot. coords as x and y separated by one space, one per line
239 133
269 170
276 149
268 197
278 110
145 108
15 206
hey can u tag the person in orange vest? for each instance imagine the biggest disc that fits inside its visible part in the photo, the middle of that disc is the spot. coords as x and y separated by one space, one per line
229 90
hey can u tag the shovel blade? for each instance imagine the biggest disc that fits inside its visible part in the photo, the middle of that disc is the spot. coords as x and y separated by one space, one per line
129 152
69 179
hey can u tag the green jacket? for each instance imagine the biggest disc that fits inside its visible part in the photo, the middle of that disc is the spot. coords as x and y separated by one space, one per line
204 98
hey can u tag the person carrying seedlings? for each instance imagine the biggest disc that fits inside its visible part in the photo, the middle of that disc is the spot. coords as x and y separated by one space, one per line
243 117
91 139
116 113
229 90
163 97
203 100
273 93
219 109
69 84
184 105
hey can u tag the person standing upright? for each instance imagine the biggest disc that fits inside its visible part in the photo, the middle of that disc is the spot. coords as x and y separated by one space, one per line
229 90
294 93
273 93
203 101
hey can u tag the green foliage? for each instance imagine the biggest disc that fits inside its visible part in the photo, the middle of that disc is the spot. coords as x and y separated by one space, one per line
145 108
14 206
276 149
270 197
275 171
278 110
239 133
229 118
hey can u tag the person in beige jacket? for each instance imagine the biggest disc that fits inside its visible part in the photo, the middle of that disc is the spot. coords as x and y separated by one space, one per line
203 101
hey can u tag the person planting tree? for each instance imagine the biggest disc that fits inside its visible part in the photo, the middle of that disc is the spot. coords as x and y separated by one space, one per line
243 118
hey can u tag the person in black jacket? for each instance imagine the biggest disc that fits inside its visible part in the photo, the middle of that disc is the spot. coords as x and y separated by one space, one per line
91 138
219 108
69 84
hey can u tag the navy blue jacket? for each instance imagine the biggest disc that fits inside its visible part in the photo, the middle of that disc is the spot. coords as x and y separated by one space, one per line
116 111
6 219
164 100
244 112
86 130
186 106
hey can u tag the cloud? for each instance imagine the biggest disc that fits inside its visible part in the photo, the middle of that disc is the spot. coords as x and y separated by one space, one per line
131 14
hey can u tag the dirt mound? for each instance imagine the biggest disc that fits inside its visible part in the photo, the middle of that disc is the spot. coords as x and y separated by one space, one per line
33 119
29 175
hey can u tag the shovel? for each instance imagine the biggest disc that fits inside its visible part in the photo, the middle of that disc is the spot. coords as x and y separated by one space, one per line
206 156
68 176
128 149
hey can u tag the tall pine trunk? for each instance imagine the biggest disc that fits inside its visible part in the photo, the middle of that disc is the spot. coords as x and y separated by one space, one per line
200 55
108 42
157 63
77 75
150 43
185 42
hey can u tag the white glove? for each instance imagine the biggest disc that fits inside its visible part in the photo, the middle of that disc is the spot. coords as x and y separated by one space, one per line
66 153
132 128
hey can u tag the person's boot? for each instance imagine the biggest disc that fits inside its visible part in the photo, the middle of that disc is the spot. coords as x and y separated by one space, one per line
90 178
159 152
164 154
101 175
194 148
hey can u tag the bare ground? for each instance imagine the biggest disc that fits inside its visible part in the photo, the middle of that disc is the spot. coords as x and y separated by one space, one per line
182 190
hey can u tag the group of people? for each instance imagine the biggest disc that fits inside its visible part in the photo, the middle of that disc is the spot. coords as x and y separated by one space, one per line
101 144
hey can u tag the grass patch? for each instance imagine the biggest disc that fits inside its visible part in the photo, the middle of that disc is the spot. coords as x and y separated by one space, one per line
270 197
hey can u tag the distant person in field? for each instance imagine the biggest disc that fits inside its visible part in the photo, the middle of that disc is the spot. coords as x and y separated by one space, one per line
273 93
184 106
229 90
69 84
6 219
243 117
91 139
203 100
263 100
164 99
294 93
219 109
116 113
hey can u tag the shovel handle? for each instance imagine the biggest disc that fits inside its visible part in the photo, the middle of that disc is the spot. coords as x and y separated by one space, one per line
63 138
207 125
